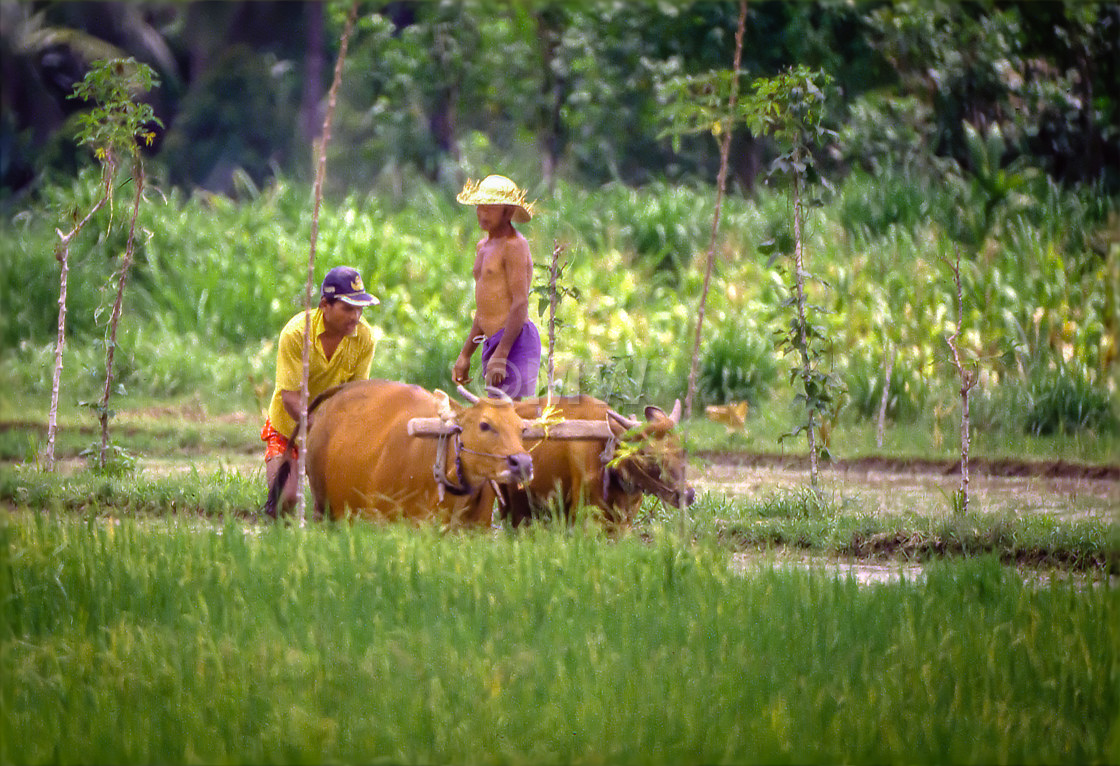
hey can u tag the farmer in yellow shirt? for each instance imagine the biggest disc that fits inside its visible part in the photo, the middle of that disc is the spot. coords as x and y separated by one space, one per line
341 351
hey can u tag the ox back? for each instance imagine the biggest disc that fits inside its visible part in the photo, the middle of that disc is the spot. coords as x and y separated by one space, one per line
361 459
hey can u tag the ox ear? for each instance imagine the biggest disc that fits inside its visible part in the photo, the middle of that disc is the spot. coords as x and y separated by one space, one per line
447 408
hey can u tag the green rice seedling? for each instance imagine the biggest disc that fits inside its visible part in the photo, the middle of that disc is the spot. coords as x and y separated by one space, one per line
365 642
209 494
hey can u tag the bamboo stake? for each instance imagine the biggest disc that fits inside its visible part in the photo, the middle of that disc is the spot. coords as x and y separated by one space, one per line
62 255
721 185
891 352
320 176
968 379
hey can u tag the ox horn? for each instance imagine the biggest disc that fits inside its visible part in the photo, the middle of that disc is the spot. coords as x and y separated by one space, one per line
466 394
499 394
622 420
675 415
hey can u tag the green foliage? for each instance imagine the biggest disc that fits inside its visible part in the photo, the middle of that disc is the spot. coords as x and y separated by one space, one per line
216 136
872 204
1066 402
736 367
214 282
907 397
113 461
986 192
791 106
116 120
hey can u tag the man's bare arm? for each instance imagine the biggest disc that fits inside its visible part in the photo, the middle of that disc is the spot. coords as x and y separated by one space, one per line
460 373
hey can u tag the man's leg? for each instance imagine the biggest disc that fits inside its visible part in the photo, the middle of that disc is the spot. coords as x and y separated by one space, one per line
291 484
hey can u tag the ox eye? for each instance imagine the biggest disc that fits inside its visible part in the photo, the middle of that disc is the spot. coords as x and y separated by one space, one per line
484 426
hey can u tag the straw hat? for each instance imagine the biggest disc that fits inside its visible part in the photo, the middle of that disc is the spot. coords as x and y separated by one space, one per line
497 190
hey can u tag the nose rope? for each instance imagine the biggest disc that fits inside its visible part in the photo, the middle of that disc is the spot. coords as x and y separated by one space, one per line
439 469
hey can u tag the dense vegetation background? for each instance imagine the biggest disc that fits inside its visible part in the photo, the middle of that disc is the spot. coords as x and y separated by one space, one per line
993 128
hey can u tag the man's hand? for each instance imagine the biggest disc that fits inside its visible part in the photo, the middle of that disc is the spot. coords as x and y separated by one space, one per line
495 370
461 372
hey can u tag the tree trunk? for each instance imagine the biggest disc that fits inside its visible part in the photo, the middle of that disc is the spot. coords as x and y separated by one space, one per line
62 254
115 318
802 324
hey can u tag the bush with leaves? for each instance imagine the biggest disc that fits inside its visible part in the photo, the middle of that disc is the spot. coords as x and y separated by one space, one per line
735 368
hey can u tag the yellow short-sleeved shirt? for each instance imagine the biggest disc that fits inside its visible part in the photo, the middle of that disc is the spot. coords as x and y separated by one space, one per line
350 361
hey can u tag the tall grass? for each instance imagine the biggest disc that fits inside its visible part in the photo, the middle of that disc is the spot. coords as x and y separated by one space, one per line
138 642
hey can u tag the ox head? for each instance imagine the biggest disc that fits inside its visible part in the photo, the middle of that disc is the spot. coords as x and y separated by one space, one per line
649 456
489 432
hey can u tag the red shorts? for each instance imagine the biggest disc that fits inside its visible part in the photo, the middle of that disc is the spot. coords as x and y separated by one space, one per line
275 442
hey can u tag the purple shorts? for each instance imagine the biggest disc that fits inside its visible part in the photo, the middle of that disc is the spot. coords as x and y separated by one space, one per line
523 362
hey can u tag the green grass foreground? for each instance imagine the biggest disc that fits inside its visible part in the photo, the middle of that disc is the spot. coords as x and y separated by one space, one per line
187 640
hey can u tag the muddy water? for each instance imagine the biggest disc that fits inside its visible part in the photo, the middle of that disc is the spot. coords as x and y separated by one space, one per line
886 493
894 493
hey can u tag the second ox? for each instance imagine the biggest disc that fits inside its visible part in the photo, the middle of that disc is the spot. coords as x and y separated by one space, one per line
610 472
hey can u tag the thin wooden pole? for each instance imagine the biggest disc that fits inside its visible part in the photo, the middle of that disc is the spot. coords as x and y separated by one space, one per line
320 176
118 305
721 185
62 255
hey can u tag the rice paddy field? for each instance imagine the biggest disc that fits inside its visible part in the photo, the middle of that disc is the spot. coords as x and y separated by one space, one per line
153 617
149 615
207 641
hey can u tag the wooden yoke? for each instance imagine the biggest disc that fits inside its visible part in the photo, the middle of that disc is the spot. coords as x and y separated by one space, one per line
534 429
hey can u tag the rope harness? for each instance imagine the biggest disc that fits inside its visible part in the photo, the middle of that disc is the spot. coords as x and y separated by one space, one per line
606 456
439 469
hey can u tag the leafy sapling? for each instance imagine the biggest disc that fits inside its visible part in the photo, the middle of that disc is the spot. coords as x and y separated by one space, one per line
790 106
550 297
967 374
114 128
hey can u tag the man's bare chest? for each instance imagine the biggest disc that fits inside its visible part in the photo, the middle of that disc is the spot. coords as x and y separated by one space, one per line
489 264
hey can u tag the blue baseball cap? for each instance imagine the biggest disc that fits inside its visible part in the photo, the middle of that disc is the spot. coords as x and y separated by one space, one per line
345 283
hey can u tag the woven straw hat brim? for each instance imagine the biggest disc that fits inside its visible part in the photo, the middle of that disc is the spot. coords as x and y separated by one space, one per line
497 190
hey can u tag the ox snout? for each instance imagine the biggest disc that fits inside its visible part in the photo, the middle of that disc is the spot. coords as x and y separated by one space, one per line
689 496
520 467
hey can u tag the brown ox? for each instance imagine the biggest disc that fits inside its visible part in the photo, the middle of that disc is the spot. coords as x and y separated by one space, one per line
361 459
610 474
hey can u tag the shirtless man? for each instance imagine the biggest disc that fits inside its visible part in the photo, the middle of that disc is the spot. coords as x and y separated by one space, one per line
503 269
